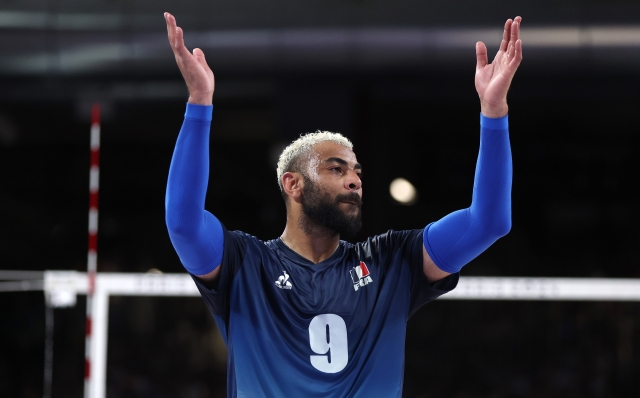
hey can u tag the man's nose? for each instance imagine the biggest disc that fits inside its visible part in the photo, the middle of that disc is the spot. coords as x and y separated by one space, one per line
353 182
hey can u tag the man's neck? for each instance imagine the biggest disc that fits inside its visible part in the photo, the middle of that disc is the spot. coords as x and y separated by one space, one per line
312 246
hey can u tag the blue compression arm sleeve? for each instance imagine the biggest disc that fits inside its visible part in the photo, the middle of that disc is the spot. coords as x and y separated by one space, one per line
195 233
461 236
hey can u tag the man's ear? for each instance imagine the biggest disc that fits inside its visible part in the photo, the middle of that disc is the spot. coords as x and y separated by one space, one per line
292 183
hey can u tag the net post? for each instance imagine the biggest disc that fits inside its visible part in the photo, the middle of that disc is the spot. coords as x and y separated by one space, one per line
92 256
100 330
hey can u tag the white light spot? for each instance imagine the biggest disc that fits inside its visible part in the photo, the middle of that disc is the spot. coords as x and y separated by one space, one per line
403 191
154 271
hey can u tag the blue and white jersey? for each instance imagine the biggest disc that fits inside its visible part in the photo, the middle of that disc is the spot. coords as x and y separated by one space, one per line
332 329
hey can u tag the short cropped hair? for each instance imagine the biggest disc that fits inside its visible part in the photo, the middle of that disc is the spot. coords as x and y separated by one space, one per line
293 156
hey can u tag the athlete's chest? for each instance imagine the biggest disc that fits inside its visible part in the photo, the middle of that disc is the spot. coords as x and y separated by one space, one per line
340 287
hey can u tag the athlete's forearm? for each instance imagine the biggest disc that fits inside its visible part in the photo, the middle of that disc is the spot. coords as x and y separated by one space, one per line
195 233
461 236
491 201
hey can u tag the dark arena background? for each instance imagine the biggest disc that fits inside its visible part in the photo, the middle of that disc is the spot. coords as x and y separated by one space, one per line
397 77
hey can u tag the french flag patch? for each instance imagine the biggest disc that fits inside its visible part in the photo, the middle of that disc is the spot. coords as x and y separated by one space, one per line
360 276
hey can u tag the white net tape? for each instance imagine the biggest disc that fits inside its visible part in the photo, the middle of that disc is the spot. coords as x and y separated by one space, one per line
61 285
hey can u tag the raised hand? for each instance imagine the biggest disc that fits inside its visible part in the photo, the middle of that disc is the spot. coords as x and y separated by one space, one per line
493 80
194 68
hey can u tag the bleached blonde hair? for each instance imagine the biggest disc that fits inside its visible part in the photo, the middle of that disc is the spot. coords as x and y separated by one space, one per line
295 156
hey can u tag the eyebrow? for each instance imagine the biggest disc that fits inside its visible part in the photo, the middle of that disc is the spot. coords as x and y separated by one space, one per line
343 162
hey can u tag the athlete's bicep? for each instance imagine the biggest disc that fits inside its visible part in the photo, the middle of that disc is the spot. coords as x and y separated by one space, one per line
199 243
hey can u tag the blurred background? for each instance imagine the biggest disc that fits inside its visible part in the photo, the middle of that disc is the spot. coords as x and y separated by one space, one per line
395 76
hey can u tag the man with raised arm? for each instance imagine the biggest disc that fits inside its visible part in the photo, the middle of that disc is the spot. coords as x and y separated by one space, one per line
307 314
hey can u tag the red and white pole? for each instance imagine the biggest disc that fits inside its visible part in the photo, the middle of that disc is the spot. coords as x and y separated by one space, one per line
92 258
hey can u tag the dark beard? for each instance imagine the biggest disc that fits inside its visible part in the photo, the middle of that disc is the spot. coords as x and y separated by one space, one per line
323 216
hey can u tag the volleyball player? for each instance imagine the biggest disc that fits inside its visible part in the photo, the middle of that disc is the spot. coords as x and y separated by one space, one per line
307 314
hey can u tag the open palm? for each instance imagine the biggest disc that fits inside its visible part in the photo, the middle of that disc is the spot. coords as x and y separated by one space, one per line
193 66
493 79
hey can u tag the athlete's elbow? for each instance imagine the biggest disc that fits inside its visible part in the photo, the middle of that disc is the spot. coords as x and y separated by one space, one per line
500 226
177 227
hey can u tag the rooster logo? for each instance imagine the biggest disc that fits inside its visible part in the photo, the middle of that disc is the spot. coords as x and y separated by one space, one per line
283 281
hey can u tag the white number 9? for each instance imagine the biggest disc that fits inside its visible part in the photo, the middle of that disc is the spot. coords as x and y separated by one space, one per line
328 337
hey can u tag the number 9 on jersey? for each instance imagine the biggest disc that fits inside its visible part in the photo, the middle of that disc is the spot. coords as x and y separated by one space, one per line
328 338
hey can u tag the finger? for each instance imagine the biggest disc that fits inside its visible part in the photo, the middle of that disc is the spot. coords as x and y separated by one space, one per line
517 58
175 37
481 55
518 19
178 44
515 36
506 35
171 25
515 33
178 38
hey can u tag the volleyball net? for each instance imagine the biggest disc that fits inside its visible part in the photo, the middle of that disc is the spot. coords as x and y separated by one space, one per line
61 289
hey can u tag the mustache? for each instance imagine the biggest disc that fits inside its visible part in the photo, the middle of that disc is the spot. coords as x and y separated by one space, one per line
349 197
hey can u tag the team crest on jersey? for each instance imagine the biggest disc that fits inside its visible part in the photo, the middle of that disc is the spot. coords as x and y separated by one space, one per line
283 281
360 276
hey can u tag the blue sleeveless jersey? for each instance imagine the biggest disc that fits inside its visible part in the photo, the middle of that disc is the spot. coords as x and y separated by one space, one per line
332 329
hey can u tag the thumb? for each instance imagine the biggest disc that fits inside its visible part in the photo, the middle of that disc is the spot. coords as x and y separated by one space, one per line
199 54
481 55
